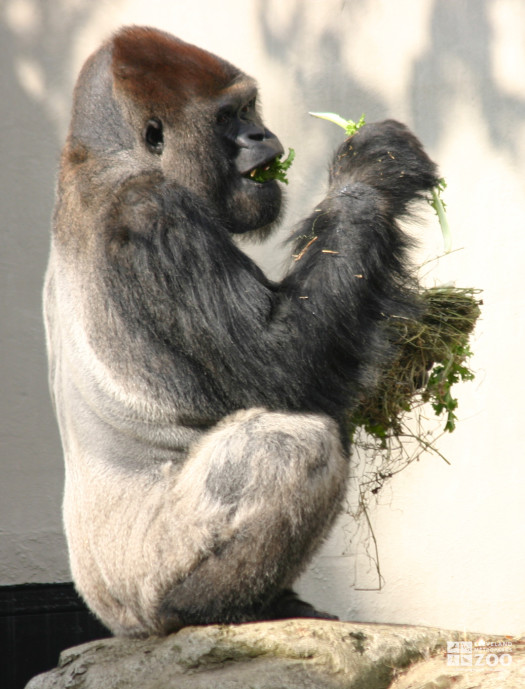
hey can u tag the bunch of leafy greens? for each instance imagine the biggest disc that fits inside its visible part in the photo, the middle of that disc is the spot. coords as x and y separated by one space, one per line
433 355
277 169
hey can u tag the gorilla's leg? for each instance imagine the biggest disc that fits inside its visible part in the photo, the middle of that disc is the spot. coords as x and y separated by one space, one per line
258 495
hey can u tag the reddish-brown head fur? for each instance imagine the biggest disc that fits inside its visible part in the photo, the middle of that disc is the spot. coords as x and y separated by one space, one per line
154 68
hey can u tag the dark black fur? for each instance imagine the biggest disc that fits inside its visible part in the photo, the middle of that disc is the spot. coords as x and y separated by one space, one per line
227 337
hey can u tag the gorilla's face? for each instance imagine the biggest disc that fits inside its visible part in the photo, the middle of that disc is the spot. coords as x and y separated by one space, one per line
218 147
249 148
194 117
148 103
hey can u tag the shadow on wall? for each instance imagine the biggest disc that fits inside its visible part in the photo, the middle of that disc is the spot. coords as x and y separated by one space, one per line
36 42
327 83
309 57
459 64
313 63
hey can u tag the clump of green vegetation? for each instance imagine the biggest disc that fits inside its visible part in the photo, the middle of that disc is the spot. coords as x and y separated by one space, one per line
277 169
433 355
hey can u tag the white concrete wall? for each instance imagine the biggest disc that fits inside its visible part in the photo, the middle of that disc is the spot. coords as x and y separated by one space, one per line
450 537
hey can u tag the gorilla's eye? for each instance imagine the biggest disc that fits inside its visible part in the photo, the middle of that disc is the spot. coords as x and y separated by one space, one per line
224 117
248 107
154 136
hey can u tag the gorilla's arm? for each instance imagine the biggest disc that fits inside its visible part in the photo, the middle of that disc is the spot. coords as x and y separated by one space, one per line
239 340
351 259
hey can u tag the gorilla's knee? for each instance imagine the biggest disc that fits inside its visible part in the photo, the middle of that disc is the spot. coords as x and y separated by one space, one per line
249 456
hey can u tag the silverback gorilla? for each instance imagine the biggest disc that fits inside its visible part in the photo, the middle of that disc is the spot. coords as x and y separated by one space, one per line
200 403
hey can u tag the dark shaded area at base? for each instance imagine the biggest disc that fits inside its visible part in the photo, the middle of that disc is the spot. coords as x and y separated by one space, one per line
37 622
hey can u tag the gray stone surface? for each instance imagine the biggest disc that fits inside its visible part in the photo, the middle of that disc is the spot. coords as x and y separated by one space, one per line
286 654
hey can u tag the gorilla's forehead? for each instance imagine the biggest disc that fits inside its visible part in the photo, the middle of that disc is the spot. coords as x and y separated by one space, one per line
241 90
153 66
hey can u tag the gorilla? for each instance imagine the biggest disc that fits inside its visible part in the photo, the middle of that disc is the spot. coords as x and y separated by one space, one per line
201 404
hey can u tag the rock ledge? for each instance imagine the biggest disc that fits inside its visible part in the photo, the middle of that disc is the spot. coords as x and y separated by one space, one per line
286 654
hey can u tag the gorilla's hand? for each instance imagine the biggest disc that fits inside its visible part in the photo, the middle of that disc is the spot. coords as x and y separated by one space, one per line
388 157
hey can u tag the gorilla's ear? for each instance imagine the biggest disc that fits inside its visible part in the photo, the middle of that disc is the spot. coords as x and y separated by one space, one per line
97 123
